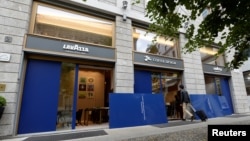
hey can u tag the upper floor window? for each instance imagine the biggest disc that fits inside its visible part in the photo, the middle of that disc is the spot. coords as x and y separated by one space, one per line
207 56
146 42
60 23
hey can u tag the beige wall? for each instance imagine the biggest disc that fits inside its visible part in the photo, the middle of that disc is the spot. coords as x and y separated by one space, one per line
97 100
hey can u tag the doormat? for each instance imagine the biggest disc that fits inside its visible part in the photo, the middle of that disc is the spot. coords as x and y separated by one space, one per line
67 136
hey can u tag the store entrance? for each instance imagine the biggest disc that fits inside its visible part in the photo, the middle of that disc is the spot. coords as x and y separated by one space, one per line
92 99
83 98
54 91
165 82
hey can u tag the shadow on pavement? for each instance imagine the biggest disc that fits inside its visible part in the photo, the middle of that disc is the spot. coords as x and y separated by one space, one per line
67 136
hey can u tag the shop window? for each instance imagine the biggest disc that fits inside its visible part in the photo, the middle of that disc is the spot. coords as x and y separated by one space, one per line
65 97
247 81
156 83
208 56
213 85
165 83
147 43
59 23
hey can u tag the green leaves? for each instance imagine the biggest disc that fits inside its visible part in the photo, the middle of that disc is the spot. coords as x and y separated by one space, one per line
2 101
225 23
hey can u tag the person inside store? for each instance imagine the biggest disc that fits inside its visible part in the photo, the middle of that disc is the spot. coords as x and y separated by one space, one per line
185 103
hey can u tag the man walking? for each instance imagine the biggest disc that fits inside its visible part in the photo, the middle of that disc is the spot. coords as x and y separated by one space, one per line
186 103
178 103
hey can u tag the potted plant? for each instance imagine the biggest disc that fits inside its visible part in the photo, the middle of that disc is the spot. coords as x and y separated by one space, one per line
2 105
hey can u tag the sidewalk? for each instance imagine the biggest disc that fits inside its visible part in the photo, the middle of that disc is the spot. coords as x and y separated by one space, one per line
172 131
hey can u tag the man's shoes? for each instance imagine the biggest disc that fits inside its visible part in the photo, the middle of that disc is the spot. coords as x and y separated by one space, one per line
183 119
192 118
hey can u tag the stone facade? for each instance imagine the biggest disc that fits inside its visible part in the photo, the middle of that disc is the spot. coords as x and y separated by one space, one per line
14 25
238 89
14 21
124 70
193 73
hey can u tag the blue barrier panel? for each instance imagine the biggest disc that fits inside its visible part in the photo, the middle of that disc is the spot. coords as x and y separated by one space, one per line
212 104
128 109
143 82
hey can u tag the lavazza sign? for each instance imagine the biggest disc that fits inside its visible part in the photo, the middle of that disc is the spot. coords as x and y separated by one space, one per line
75 47
217 69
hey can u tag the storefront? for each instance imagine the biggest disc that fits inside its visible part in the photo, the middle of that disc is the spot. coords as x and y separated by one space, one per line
158 67
55 87
158 75
217 100
68 67
62 59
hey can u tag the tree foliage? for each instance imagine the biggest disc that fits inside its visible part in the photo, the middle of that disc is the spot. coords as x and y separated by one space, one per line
227 24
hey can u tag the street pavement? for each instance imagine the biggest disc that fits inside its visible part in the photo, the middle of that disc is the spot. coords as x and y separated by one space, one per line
175 130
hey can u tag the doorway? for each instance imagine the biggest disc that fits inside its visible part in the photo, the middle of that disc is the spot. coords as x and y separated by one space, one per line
165 82
94 87
54 91
83 96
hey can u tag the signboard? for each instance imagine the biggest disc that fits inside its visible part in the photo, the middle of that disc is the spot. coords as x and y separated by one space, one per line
157 61
5 57
38 44
217 70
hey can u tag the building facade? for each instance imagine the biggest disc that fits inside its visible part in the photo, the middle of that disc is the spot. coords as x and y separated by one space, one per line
59 56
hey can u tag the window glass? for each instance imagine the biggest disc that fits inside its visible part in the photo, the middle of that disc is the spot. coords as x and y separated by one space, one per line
144 42
161 81
165 83
156 83
247 81
207 56
65 98
218 86
210 87
63 24
213 85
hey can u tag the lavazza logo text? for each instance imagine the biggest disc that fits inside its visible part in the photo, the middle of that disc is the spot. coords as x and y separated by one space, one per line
159 60
75 48
217 69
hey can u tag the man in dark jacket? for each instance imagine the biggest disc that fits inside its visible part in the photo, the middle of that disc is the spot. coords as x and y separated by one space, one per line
185 100
178 103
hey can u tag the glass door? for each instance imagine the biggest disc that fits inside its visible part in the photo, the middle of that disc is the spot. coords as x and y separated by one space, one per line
66 97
